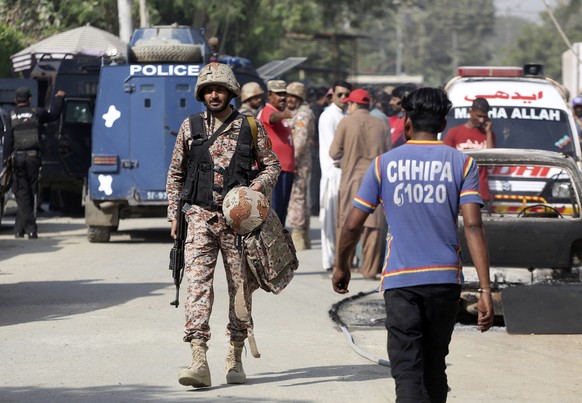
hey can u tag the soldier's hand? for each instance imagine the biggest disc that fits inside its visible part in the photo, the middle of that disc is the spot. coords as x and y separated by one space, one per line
174 229
257 186
60 93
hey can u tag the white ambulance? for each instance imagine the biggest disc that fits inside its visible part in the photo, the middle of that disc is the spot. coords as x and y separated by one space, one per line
534 201
528 110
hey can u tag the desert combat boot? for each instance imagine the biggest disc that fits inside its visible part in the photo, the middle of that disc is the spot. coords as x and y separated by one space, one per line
300 239
196 375
233 367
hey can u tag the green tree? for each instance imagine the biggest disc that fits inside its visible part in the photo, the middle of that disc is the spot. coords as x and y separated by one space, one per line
36 18
506 30
441 35
11 41
542 43
324 31
337 36
74 13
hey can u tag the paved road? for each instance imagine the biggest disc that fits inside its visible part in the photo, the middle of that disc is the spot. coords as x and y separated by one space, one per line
83 322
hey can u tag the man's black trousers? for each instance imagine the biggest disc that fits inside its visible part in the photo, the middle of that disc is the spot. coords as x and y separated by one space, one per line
25 187
420 321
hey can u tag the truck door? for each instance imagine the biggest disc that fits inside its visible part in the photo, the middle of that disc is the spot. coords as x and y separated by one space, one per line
148 162
180 105
74 137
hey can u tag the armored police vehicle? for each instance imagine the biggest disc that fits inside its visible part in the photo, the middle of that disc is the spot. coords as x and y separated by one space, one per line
65 143
140 107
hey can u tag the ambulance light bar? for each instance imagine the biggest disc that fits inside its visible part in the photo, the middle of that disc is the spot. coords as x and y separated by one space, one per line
486 71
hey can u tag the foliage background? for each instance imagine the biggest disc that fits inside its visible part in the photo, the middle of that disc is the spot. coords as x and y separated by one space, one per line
338 36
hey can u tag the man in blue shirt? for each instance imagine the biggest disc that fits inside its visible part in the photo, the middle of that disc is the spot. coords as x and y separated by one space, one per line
422 185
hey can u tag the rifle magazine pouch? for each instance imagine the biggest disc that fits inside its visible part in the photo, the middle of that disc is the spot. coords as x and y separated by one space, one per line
271 255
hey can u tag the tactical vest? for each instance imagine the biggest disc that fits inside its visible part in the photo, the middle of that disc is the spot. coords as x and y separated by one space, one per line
199 183
25 128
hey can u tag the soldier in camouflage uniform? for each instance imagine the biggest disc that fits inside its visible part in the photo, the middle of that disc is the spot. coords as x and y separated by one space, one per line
208 232
252 98
303 126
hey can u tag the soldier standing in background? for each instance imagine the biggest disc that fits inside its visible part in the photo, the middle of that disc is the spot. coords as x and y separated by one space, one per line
303 128
251 96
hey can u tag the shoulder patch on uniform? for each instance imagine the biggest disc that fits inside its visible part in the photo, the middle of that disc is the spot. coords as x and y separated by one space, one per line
268 143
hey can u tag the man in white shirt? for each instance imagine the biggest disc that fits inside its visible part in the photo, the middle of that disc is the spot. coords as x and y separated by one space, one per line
330 172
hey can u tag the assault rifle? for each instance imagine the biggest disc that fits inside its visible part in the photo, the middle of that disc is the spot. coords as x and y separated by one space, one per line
177 253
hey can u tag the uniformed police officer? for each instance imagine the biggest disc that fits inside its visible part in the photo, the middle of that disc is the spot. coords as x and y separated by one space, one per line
204 185
22 144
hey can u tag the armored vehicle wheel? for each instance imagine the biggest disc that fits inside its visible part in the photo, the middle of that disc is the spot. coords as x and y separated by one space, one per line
98 234
163 52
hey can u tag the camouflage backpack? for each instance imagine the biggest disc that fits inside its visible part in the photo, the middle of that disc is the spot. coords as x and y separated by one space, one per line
270 254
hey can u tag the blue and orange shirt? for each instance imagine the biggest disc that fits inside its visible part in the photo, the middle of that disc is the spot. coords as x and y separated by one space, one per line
422 185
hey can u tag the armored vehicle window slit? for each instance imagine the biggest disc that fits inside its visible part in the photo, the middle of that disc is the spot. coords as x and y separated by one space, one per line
147 103
77 112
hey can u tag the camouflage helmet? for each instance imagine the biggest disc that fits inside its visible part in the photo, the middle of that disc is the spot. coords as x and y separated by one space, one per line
297 89
245 209
249 90
216 74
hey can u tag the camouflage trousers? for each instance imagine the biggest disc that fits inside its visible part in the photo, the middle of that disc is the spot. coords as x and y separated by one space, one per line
208 234
299 209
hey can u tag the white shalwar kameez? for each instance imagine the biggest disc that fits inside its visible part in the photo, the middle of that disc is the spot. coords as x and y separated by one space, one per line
329 185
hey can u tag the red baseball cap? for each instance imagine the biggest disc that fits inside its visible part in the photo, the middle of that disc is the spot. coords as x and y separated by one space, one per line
358 96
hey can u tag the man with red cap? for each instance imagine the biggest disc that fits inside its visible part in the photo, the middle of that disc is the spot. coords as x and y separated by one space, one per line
359 138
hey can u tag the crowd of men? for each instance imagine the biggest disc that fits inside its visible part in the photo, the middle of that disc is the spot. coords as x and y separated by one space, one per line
352 135
318 133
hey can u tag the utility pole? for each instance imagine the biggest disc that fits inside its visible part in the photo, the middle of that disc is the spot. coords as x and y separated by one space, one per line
124 15
144 15
399 44
454 52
